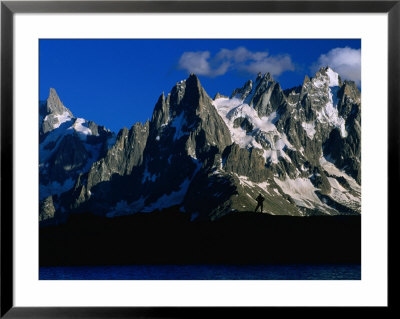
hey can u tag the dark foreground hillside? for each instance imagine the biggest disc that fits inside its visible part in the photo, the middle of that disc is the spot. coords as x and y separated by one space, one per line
170 238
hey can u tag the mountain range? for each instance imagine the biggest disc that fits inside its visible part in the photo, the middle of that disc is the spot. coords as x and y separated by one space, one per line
208 157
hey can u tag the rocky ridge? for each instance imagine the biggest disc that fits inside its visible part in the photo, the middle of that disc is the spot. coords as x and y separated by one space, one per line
68 146
209 157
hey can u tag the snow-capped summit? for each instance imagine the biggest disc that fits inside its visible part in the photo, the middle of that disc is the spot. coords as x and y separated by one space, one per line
334 78
248 128
327 77
67 147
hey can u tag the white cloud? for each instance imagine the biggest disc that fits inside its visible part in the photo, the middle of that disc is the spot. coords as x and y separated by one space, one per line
197 62
241 59
240 54
273 65
345 61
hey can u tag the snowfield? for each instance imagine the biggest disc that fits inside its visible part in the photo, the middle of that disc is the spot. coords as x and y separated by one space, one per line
232 109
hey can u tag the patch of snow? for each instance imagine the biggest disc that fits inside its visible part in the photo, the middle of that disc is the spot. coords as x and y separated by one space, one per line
329 114
302 191
81 127
231 109
249 97
244 181
264 127
309 128
55 188
62 118
168 200
333 77
148 177
336 185
343 196
94 150
55 136
123 208
178 123
319 83
176 197
331 169
263 185
276 151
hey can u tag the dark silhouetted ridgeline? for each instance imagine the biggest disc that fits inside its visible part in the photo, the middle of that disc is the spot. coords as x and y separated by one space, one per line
169 237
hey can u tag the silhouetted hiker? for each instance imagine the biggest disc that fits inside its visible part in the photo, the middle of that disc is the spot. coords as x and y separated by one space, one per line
260 200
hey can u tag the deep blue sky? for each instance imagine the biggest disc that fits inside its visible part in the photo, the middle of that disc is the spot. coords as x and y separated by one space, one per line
117 82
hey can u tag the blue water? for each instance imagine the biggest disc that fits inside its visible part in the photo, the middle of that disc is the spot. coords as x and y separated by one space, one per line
203 272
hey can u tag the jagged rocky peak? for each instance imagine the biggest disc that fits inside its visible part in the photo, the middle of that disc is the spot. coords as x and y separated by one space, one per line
186 113
252 120
306 79
325 82
244 91
251 91
266 77
185 95
195 93
327 77
126 153
54 104
184 104
220 96
160 115
319 100
351 91
53 113
68 146
247 91
265 95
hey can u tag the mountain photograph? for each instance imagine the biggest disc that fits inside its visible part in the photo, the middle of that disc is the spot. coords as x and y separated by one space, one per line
199 159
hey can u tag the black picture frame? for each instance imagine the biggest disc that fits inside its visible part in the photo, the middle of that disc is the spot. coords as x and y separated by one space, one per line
9 8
